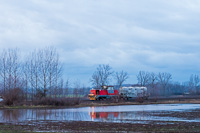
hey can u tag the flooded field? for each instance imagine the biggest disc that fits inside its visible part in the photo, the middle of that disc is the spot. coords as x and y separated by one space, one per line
113 114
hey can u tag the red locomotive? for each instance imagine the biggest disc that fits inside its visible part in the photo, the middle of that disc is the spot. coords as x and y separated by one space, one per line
106 92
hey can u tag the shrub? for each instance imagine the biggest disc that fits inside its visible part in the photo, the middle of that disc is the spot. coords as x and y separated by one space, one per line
115 99
140 99
40 93
13 97
57 101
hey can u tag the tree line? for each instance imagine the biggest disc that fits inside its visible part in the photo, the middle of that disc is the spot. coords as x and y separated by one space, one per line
162 84
40 74
158 84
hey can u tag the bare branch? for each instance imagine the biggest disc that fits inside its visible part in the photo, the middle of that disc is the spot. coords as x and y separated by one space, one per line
121 77
101 76
143 78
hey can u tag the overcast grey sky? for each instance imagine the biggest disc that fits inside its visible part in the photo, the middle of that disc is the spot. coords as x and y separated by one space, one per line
130 35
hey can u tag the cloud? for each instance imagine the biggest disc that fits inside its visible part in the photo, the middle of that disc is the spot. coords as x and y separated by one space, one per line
153 35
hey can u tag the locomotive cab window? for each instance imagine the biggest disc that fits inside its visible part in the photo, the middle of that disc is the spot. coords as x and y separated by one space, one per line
97 92
110 88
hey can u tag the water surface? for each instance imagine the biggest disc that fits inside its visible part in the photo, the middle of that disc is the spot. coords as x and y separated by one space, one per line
122 113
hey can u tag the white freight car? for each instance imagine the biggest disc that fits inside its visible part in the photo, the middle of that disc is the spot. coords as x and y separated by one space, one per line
133 92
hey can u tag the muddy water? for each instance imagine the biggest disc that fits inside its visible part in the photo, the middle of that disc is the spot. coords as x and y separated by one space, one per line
123 113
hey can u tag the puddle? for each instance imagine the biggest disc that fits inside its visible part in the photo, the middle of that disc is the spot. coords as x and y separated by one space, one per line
123 113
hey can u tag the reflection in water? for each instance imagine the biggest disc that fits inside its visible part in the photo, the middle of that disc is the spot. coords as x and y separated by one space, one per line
20 115
131 113
9 115
104 115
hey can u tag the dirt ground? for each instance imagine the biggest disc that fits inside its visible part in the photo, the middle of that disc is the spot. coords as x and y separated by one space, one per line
80 126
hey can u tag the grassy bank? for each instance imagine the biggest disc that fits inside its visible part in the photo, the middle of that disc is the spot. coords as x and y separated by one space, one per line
68 103
42 103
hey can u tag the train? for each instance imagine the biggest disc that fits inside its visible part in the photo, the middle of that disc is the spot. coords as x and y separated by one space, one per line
105 92
108 92
133 92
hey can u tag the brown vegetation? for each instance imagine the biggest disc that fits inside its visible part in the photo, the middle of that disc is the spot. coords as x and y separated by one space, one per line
13 97
57 101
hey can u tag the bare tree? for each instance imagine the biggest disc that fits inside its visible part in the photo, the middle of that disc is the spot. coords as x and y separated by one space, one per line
44 71
143 78
60 88
121 77
30 68
66 89
50 69
52 61
194 83
153 77
4 69
101 76
96 80
16 67
76 88
152 82
10 69
44 68
81 90
58 70
41 71
9 65
34 71
164 79
25 75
